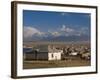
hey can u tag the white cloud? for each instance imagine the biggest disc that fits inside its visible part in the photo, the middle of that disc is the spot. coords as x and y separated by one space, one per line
63 31
56 34
62 14
66 29
63 28
30 31
65 14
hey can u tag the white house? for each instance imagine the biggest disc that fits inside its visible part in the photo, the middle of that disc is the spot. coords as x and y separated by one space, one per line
55 55
43 52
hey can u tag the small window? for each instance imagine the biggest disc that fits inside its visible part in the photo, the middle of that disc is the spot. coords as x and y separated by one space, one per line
52 55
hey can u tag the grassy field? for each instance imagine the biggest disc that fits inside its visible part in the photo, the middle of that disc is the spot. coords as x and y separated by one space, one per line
52 64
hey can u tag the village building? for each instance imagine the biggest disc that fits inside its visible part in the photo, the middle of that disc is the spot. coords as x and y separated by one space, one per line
43 52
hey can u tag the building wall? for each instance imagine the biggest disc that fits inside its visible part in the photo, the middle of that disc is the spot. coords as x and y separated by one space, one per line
42 56
29 56
54 56
36 56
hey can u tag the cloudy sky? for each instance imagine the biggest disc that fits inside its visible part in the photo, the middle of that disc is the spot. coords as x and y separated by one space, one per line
40 24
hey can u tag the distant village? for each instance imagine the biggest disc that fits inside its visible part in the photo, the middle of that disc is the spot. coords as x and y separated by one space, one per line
57 52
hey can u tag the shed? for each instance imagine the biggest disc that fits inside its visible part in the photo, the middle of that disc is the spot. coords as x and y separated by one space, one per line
43 52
